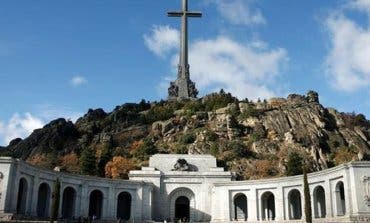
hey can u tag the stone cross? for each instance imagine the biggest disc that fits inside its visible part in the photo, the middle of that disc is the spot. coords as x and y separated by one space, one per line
183 87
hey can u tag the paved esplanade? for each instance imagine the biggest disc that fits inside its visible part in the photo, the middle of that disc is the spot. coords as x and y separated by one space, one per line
183 87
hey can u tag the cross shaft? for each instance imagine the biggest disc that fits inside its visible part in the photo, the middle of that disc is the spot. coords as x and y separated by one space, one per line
183 68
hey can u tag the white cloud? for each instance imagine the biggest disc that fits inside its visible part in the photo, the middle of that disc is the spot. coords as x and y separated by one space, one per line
362 5
241 69
162 40
51 112
19 126
239 12
347 62
78 80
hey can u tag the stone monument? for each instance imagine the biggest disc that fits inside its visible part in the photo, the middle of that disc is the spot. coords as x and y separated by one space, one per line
183 87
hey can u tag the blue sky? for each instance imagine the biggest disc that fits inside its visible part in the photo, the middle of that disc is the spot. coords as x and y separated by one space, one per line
60 58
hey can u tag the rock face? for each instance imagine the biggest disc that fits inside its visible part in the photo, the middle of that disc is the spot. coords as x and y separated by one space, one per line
242 135
58 135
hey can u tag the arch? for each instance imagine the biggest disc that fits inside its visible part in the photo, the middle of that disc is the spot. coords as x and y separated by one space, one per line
43 200
240 207
22 196
96 204
182 192
319 204
68 202
295 204
182 208
340 199
268 206
124 206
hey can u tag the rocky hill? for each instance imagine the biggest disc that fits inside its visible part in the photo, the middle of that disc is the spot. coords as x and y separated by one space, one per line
254 139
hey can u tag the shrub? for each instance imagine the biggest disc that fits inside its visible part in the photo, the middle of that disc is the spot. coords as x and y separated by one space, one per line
261 169
70 163
144 149
191 107
181 149
344 155
218 100
187 138
40 160
258 133
352 119
249 112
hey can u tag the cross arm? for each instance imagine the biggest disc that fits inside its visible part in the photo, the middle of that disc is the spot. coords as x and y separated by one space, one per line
180 13
175 14
194 14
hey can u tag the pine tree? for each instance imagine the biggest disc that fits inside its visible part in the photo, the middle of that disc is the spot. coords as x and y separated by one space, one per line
105 157
55 201
294 164
307 197
88 161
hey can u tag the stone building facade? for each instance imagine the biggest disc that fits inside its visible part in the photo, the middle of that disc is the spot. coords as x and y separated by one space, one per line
188 187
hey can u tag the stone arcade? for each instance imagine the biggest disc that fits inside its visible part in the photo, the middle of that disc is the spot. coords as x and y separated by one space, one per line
187 187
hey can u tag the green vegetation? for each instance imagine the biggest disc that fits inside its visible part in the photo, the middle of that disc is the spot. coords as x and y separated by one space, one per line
191 107
294 164
250 111
352 119
215 101
105 157
145 149
88 161
187 138
344 154
307 197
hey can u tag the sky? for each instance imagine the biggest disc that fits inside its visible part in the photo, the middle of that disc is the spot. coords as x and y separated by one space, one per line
60 58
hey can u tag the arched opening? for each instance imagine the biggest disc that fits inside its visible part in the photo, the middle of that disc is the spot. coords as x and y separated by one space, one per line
268 206
68 203
295 205
124 206
43 201
22 196
182 208
96 204
340 197
240 207
319 202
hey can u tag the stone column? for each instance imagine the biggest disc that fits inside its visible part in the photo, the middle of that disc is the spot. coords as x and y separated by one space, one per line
253 203
78 202
137 205
279 204
111 204
328 199
32 201
347 192
84 201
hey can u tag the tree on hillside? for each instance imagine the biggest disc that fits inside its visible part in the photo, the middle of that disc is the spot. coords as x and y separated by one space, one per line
119 167
294 164
105 156
307 197
87 161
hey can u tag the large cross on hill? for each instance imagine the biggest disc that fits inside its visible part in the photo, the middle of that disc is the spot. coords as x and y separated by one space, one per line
183 87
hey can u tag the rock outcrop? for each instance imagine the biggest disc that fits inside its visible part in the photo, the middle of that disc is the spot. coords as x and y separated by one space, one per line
241 134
